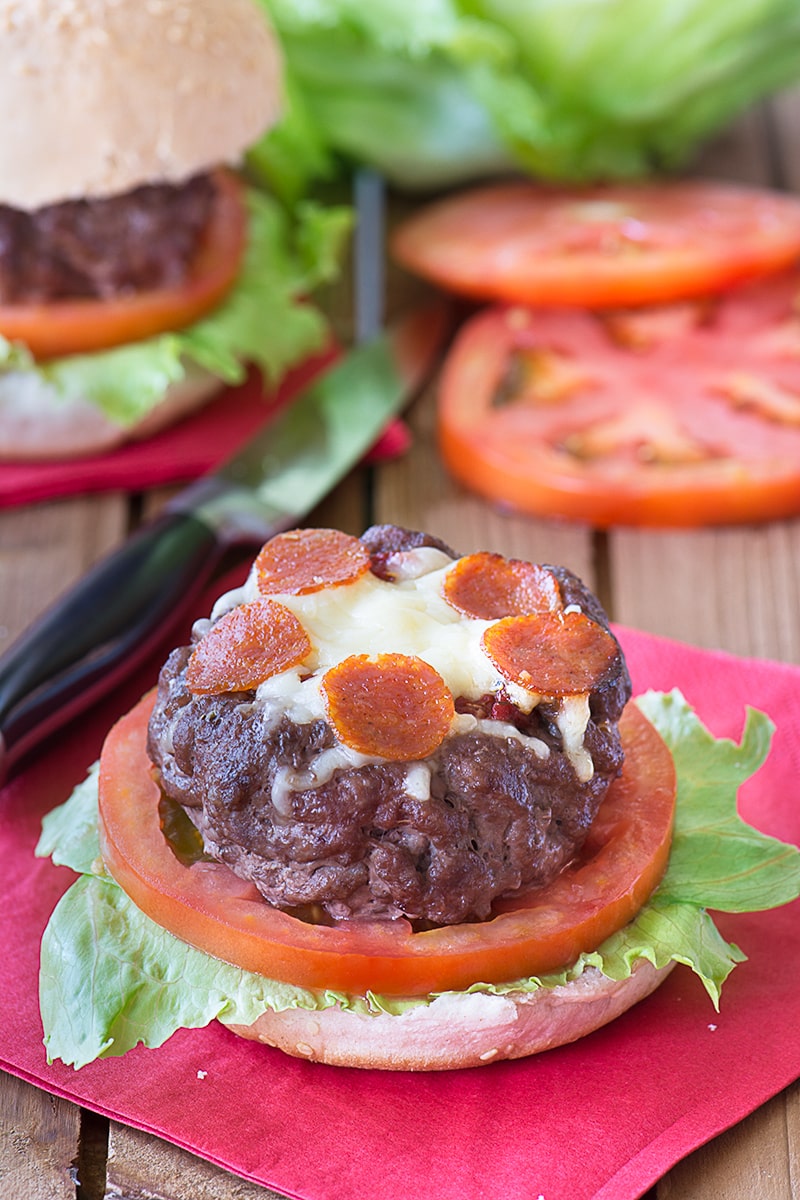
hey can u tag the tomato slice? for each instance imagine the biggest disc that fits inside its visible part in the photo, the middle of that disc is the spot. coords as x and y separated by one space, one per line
80 326
644 417
525 243
207 906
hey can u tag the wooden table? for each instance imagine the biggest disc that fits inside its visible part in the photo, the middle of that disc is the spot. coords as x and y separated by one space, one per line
736 589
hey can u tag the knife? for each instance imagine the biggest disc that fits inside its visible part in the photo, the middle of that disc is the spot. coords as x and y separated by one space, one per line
95 633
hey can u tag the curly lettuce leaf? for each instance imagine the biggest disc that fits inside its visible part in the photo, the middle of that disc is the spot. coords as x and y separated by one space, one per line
266 319
718 860
136 983
69 834
670 931
111 978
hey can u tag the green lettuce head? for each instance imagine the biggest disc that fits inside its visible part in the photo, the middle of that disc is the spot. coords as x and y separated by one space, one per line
438 92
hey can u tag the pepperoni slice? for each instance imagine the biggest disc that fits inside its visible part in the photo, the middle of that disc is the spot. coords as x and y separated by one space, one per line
489 586
555 654
393 706
308 560
246 646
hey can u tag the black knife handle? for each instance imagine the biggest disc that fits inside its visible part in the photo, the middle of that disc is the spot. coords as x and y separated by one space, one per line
77 649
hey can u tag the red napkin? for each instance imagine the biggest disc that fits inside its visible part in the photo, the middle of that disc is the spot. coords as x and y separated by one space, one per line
180 453
603 1118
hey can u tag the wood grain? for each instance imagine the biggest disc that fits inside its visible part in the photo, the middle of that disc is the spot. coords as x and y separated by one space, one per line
784 112
141 1167
38 1143
742 153
46 548
729 589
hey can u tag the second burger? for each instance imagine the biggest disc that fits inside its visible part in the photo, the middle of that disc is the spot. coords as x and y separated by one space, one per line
138 273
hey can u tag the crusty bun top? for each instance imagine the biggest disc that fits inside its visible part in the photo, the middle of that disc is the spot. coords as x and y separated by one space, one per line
101 96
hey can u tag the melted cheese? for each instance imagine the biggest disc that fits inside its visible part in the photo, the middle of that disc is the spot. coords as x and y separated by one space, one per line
406 616
418 781
373 616
321 770
465 723
573 717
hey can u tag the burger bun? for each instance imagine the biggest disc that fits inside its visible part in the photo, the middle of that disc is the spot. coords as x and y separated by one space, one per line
38 423
108 95
457 1029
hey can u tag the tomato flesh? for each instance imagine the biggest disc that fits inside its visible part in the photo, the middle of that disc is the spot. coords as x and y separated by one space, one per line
605 246
208 907
644 417
63 327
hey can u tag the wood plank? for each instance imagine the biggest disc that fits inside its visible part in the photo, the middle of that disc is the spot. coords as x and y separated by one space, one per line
45 548
742 151
38 1143
731 589
415 491
784 111
729 1167
143 1167
348 505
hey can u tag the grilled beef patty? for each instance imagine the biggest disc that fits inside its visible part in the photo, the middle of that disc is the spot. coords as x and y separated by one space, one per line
503 812
102 248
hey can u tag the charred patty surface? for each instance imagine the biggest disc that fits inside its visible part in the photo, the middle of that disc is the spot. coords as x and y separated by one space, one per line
502 812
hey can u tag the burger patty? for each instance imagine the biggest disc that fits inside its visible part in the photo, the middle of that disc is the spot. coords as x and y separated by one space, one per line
103 248
502 814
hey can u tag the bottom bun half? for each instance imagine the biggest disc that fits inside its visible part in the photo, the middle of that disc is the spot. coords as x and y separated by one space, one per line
37 423
457 1029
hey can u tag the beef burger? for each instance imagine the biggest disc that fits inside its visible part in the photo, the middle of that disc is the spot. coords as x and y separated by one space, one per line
121 222
389 751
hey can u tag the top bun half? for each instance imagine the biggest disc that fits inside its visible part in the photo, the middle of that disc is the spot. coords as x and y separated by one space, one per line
102 96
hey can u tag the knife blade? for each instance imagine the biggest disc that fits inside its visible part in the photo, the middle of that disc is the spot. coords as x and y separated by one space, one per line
95 633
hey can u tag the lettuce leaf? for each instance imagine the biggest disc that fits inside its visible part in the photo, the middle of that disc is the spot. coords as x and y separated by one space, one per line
70 834
641 86
111 978
717 860
266 319
436 92
387 84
